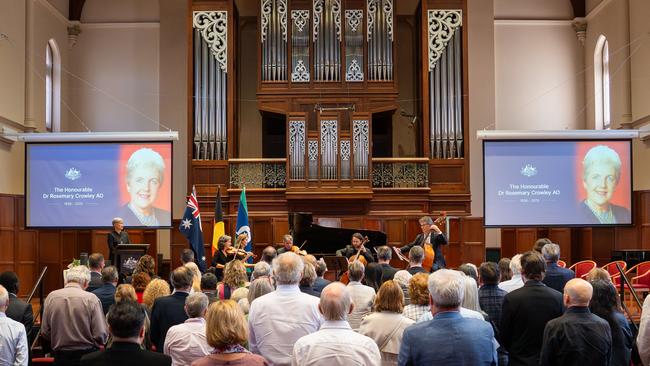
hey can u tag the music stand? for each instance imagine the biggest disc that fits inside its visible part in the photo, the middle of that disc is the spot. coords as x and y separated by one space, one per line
127 256
337 264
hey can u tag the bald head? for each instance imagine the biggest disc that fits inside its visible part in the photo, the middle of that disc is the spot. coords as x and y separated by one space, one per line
335 301
577 292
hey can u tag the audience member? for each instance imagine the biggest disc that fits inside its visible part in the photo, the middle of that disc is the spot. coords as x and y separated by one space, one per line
516 281
555 277
259 287
209 286
403 277
187 256
261 269
73 321
140 282
504 269
239 294
372 276
384 255
234 277
363 297
106 293
187 342
13 338
336 342
126 292
268 255
416 256
17 309
320 282
155 289
308 279
470 298
146 264
469 269
419 295
386 324
168 311
458 340
578 337
539 244
227 333
526 311
605 303
196 276
599 274
643 338
126 323
96 264
490 296
273 333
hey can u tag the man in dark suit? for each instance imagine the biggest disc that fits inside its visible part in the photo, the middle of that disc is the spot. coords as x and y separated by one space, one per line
168 311
416 256
96 264
384 254
209 287
556 277
526 311
17 310
320 282
106 293
126 324
433 235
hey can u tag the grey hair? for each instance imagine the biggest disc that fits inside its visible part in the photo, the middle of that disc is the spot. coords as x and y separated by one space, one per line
384 253
416 254
308 274
116 220
446 288
259 287
551 252
240 293
286 237
288 268
356 271
335 301
145 157
4 296
78 274
601 154
196 304
470 298
515 265
426 220
109 274
222 240
261 269
403 277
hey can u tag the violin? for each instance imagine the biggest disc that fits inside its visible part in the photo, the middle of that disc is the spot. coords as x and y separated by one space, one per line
232 250
298 250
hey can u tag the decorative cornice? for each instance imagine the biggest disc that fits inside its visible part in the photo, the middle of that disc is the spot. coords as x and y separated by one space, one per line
213 26
441 28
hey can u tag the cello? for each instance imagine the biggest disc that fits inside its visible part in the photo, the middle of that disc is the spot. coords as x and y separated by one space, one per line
429 253
345 277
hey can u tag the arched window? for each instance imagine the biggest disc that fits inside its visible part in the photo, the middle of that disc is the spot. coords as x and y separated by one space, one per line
601 84
52 87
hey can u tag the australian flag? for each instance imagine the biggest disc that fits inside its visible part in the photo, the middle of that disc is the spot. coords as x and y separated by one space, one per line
191 228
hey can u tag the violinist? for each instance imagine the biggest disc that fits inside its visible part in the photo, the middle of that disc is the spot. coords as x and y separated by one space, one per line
287 244
350 250
227 253
431 234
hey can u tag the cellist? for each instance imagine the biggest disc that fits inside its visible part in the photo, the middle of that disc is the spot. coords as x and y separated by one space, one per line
431 234
350 250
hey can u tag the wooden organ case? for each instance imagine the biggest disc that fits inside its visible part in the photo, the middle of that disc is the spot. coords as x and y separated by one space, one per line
337 85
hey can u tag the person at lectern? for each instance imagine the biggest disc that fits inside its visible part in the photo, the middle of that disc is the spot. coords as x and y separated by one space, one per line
144 176
430 234
116 237
601 171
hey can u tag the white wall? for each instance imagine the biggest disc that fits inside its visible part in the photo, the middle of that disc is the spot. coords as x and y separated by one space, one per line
12 60
533 9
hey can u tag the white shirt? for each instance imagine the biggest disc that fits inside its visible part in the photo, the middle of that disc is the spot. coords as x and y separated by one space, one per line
464 312
278 319
512 284
186 342
362 297
643 339
13 342
335 344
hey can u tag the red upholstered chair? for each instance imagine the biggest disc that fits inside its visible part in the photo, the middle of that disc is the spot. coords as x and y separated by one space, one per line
42 360
611 267
582 268
636 270
561 263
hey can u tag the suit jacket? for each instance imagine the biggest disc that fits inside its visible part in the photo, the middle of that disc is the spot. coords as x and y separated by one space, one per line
125 354
320 284
556 277
95 282
349 251
448 339
387 272
21 312
114 239
106 295
621 214
438 241
524 315
166 312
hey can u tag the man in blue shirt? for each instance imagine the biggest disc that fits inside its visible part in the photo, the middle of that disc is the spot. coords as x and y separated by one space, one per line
459 341
556 277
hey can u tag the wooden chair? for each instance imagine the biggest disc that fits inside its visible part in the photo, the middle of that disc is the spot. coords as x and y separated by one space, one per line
583 268
561 263
611 268
637 270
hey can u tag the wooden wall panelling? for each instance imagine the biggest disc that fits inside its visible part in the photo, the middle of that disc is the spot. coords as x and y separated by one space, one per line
525 239
280 228
453 250
562 237
394 229
49 255
26 260
473 245
508 242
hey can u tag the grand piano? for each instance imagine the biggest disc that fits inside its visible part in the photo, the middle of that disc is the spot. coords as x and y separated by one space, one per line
325 241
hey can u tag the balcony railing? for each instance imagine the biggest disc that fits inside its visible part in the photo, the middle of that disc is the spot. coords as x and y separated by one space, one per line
258 173
400 173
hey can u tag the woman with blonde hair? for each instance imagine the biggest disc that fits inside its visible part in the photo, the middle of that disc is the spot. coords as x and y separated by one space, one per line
227 332
386 325
196 276
155 289
599 274
234 277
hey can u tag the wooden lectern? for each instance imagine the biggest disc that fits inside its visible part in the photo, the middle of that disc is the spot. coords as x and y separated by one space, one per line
127 255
